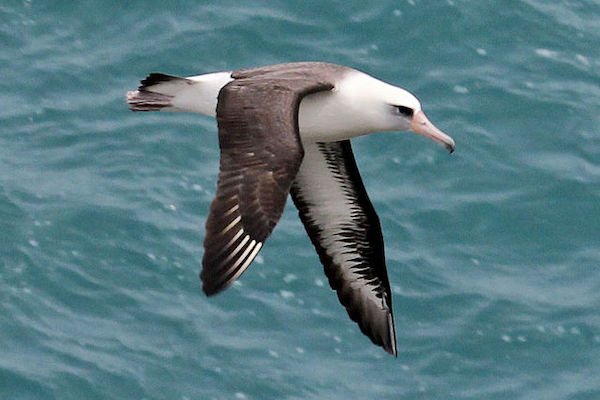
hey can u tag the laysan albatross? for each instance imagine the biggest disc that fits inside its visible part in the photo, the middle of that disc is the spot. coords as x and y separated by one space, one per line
285 129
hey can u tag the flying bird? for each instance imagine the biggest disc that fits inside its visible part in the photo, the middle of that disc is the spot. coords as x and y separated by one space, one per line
286 129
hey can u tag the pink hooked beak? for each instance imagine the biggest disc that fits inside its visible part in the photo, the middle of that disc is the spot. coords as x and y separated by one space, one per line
421 125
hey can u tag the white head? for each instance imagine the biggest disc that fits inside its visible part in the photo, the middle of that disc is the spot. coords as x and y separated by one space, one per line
399 109
360 104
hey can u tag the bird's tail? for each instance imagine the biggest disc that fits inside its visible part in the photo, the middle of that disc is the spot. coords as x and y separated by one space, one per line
156 92
160 92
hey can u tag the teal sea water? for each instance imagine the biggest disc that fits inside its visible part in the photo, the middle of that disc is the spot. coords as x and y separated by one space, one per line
493 252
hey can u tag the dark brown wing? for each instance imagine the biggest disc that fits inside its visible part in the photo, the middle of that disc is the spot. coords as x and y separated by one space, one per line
344 228
260 156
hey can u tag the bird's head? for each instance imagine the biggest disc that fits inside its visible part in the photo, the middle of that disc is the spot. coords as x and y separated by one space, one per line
360 104
386 107
405 114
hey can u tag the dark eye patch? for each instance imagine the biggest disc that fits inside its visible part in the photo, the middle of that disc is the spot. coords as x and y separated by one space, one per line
406 111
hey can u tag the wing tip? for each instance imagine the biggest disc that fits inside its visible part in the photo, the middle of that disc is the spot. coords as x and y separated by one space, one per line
211 289
218 277
391 348
387 343
212 286
391 352
380 330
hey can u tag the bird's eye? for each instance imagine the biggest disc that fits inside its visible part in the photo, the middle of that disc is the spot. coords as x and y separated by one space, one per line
406 111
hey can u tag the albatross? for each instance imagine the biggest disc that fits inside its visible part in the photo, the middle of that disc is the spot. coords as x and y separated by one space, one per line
286 129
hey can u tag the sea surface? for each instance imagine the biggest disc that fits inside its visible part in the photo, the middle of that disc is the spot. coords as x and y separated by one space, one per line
493 252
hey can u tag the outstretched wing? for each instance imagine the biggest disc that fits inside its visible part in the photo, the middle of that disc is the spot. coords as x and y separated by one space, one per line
344 228
260 156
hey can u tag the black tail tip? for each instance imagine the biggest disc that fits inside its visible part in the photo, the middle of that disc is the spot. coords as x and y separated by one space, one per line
155 78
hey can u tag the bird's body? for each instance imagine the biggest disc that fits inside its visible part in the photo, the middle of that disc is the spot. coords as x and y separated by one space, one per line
285 129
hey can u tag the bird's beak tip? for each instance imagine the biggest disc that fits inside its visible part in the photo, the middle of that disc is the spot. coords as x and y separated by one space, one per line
422 126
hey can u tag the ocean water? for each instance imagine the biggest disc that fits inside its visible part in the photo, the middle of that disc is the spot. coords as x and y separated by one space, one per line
493 252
